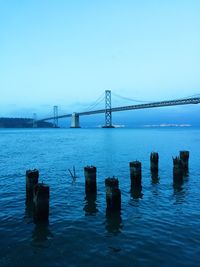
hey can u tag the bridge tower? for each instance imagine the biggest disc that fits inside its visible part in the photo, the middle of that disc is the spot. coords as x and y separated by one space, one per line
108 112
34 120
55 116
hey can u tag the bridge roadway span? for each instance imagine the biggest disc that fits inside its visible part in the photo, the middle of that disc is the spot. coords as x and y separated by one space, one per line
177 102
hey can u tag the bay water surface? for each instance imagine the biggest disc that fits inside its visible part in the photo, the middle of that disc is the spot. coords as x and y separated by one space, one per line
158 227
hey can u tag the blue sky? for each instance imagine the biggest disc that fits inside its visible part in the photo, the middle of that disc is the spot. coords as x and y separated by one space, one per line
68 52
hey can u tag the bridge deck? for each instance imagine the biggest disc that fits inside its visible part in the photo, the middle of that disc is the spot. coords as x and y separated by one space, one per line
186 101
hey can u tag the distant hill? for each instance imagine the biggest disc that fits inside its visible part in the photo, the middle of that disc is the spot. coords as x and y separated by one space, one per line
22 123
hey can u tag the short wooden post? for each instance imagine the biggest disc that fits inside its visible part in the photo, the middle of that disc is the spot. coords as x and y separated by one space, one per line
136 174
154 178
113 221
184 156
154 158
41 202
90 207
32 177
177 169
113 194
90 179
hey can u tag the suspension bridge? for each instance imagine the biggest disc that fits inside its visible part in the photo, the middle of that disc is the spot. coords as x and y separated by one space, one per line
108 110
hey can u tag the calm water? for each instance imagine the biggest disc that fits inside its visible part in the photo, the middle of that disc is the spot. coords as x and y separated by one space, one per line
159 228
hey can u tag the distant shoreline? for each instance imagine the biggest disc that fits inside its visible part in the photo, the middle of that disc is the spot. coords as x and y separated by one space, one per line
22 123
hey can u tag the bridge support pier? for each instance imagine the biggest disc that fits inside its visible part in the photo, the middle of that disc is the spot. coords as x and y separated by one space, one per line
75 121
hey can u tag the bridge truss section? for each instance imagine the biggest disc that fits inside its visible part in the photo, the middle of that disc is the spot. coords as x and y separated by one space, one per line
108 110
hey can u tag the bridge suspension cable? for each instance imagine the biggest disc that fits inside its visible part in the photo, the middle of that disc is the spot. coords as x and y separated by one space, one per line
195 95
99 100
131 99
150 101
108 109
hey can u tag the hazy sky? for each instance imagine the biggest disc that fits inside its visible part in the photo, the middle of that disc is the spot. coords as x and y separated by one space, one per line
68 52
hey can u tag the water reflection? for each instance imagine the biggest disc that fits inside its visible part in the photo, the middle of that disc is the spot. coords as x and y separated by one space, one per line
179 191
41 232
113 221
90 207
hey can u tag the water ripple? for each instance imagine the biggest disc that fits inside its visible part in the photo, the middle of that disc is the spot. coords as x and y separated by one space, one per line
157 226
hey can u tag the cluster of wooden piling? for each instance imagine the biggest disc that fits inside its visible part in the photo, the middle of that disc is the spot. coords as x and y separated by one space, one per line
37 194
113 193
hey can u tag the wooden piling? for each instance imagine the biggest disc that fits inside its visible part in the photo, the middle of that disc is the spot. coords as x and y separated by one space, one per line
155 178
177 169
90 179
90 207
136 174
184 156
136 192
154 158
41 202
113 221
112 182
113 194
32 177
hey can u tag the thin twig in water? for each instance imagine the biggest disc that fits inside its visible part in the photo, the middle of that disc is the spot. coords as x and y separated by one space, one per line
71 173
74 172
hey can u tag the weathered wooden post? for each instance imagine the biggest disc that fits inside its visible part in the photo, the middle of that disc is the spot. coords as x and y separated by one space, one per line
41 232
90 179
90 207
154 178
136 174
177 170
113 194
184 156
113 221
154 158
32 177
41 202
